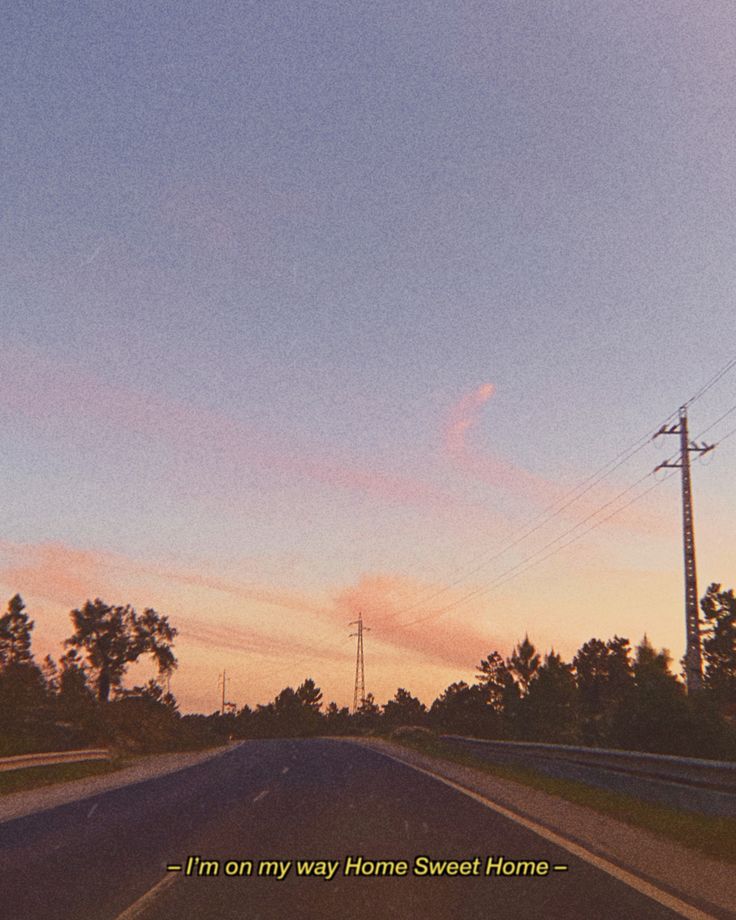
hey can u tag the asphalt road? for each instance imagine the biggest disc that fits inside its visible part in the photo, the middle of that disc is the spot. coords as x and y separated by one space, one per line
287 800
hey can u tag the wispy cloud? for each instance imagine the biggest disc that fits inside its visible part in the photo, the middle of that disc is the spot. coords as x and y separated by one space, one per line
68 398
485 465
66 576
500 473
390 603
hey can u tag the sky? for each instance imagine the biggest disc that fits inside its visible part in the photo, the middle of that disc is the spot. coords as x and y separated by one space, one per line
316 308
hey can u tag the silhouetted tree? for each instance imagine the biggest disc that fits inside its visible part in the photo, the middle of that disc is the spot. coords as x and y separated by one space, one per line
368 716
655 714
604 676
551 705
22 692
310 695
50 673
404 709
523 663
292 713
337 719
15 634
152 691
719 644
73 687
114 637
495 680
464 710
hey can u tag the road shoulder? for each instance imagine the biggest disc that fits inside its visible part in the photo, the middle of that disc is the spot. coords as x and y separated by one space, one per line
19 804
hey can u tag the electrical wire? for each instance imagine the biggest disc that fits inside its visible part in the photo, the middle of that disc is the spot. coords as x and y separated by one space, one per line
729 366
512 572
555 509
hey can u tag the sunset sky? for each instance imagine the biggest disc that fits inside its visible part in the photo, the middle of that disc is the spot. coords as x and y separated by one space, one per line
310 308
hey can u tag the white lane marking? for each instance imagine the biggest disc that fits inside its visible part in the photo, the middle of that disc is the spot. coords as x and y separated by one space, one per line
285 770
261 795
136 910
92 810
638 884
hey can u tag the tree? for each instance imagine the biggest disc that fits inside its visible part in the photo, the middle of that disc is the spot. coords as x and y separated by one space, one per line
404 709
73 689
309 695
464 710
292 713
655 715
551 703
337 719
368 714
15 634
494 678
502 693
719 646
153 692
524 662
604 677
114 637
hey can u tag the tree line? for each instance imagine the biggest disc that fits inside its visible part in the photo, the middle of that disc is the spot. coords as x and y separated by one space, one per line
610 694
80 700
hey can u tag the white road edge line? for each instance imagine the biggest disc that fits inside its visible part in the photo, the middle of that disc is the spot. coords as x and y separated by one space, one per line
638 884
261 795
138 908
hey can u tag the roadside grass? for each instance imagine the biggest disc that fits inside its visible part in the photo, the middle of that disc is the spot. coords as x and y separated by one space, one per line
33 777
715 837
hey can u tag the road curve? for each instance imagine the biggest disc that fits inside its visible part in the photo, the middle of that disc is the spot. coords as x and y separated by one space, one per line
105 857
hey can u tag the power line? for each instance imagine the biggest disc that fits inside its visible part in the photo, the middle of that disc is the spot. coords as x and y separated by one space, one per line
719 419
544 517
729 366
726 436
582 488
531 560
512 572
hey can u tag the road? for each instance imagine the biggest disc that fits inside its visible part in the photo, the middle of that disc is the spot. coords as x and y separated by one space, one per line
286 800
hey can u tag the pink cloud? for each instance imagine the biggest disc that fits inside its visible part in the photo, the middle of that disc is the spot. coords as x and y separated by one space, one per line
489 467
500 473
66 577
66 399
391 603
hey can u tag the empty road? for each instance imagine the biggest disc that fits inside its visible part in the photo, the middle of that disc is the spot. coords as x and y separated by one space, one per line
283 801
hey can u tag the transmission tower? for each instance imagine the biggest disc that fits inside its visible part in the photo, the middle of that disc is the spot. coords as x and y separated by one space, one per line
223 679
693 656
359 694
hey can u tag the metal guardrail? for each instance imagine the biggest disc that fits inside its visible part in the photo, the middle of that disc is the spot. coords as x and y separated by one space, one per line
50 758
686 771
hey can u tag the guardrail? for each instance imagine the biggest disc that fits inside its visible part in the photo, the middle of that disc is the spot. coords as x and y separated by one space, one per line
693 772
50 758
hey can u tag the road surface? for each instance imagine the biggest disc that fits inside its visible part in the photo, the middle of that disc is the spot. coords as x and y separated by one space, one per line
288 800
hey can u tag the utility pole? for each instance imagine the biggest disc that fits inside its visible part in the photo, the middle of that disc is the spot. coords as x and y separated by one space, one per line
359 694
693 654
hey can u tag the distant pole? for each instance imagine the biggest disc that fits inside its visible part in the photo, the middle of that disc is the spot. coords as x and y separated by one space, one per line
359 693
224 682
693 653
